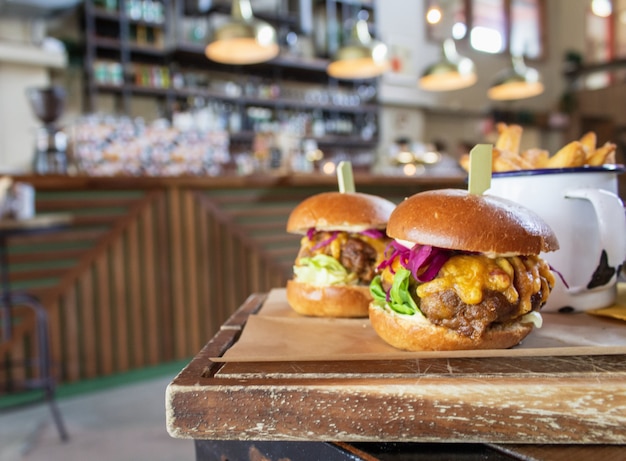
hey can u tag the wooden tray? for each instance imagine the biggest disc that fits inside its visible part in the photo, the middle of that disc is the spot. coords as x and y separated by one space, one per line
512 399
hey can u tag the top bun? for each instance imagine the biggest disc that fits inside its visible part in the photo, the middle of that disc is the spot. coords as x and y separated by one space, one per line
342 211
457 220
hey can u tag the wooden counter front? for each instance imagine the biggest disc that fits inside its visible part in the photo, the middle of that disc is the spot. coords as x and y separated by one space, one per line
151 267
537 400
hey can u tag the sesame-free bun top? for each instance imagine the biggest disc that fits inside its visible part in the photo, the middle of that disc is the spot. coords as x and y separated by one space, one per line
458 220
342 211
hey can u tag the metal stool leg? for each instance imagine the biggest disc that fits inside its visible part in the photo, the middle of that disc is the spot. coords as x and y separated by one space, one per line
46 380
45 367
56 413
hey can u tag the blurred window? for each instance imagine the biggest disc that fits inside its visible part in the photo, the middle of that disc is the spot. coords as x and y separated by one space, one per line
490 26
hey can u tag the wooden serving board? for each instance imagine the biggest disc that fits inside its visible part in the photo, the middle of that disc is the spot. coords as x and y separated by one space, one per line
277 333
506 399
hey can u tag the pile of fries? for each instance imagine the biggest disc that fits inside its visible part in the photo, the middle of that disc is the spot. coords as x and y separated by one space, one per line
507 155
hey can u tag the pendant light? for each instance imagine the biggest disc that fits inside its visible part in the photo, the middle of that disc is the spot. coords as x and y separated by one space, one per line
518 82
362 57
244 39
453 72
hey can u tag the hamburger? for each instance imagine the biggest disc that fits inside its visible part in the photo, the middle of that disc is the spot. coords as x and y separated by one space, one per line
343 243
463 272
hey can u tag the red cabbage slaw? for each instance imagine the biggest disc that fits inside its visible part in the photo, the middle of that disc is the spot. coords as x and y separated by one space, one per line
372 233
423 261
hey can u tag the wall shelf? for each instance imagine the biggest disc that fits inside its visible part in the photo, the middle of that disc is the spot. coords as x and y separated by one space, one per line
184 76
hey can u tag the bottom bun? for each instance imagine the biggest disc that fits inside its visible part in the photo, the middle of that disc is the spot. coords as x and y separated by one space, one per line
416 333
330 301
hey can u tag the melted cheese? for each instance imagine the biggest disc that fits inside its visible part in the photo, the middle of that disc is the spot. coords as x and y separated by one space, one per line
335 247
470 275
379 245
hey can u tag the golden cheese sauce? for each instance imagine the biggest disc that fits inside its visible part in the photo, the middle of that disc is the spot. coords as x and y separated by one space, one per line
335 246
379 245
470 275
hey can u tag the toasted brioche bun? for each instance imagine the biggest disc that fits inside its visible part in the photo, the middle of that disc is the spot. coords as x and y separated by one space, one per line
416 333
458 220
351 212
330 301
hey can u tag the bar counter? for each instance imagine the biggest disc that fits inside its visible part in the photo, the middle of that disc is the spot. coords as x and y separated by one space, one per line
55 182
152 266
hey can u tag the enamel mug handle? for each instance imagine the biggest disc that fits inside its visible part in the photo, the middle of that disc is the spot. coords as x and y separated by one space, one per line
611 225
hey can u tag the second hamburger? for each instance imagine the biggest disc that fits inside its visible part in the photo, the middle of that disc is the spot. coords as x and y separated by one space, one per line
344 241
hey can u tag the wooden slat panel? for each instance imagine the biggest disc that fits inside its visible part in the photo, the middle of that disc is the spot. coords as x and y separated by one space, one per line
216 258
103 312
135 307
207 325
51 205
14 350
149 285
266 228
163 287
21 275
71 347
265 212
50 255
99 219
152 283
88 325
176 272
60 236
55 331
191 272
120 307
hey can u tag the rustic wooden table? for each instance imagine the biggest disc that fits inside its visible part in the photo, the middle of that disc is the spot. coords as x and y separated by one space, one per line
539 408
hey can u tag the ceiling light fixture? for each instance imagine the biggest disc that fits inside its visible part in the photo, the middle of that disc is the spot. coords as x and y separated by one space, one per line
453 72
518 82
244 39
361 58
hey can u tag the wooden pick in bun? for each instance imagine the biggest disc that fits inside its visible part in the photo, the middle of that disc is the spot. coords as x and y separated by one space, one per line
463 272
344 241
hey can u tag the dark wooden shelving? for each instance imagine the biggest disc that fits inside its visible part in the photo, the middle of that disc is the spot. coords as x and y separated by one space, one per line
109 36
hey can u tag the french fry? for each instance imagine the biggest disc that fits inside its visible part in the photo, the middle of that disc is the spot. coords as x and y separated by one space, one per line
603 155
504 164
503 160
509 137
589 141
570 155
536 157
506 155
464 162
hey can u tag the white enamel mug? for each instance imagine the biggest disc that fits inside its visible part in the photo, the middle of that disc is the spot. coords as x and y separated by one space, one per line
583 208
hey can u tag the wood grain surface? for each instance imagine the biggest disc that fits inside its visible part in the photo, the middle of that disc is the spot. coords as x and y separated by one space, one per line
537 400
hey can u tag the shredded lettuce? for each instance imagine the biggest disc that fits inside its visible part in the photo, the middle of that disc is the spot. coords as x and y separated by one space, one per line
399 297
422 262
377 291
322 270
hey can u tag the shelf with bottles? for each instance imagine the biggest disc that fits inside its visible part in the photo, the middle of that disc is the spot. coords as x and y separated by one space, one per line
254 90
244 124
145 12
138 24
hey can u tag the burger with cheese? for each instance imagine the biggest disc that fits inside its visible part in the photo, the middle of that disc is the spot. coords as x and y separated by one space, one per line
343 244
463 272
